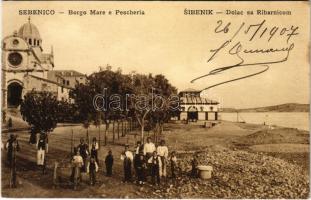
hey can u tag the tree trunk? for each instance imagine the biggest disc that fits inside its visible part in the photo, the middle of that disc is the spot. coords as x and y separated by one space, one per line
113 132
87 136
122 130
130 125
71 148
118 128
142 133
99 136
125 127
154 136
106 130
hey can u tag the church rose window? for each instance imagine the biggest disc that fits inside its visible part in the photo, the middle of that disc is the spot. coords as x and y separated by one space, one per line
15 59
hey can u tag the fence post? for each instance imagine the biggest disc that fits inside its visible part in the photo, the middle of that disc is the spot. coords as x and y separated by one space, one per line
55 183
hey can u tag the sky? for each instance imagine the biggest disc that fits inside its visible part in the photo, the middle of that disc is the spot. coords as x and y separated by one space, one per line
167 41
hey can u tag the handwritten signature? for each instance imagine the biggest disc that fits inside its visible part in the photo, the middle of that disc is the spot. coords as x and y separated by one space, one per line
235 48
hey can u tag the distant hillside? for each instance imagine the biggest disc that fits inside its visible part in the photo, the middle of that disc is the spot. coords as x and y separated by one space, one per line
288 107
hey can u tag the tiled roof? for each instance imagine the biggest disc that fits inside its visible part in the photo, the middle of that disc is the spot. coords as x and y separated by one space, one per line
49 81
196 100
68 73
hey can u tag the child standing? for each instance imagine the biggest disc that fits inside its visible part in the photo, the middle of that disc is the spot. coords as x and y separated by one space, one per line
140 167
194 165
94 152
94 149
127 158
109 163
77 163
92 168
173 162
155 163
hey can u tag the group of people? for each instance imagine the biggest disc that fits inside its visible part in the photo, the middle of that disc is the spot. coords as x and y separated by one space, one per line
147 161
81 163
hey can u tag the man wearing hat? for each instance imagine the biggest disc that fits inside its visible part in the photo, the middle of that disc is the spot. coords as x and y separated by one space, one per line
83 148
11 145
42 148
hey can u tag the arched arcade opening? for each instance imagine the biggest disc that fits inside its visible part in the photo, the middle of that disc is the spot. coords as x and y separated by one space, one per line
14 96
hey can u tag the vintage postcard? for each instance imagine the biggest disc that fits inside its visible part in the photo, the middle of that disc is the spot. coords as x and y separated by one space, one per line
155 99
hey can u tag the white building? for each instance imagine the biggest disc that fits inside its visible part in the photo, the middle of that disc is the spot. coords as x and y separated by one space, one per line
193 107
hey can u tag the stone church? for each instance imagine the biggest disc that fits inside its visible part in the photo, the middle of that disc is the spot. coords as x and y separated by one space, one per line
26 67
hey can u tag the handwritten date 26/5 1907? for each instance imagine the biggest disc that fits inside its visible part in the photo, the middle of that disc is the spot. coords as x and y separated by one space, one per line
252 33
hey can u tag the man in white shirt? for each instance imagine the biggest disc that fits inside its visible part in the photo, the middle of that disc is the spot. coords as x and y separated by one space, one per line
162 151
149 148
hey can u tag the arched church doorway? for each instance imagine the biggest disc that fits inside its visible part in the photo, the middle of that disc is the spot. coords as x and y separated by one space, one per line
192 114
14 94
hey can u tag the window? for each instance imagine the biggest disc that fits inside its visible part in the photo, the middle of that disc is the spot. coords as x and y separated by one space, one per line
62 89
202 108
29 41
15 59
34 42
38 43
44 86
64 82
67 82
15 42
211 108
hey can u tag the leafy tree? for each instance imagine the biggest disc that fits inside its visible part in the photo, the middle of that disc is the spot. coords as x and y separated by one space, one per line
66 112
126 96
83 102
141 102
84 110
40 111
155 108
107 83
